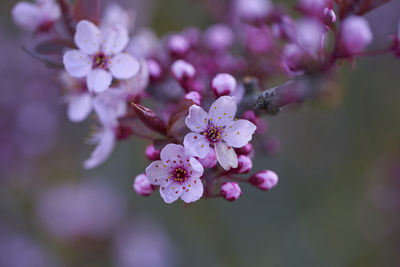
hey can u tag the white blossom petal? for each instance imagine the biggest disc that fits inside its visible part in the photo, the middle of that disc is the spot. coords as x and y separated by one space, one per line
77 64
87 37
172 152
124 66
110 105
157 173
79 107
197 119
223 110
99 80
196 144
196 167
239 133
114 39
170 192
26 15
226 156
106 143
193 192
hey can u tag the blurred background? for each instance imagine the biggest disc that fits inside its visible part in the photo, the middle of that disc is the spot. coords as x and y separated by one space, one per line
337 202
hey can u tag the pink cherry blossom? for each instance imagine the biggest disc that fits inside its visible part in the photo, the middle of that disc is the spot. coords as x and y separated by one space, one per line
115 14
355 34
223 84
99 57
219 129
178 175
33 16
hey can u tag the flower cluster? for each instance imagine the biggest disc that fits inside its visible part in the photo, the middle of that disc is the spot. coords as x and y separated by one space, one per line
158 89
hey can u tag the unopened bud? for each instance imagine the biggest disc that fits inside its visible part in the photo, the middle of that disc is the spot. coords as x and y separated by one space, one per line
355 35
142 185
194 96
155 70
210 160
182 70
264 180
223 84
151 153
219 37
244 165
329 16
231 191
178 46
245 150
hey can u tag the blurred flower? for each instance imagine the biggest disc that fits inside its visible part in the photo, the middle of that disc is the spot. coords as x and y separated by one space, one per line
40 15
178 45
105 139
143 243
223 84
99 57
253 10
194 96
219 129
219 37
177 174
73 211
355 34
114 14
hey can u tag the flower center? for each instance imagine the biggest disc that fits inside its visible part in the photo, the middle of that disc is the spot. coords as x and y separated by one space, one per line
214 134
100 61
179 174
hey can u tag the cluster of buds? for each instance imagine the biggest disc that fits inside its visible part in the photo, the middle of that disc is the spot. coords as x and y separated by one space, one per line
194 95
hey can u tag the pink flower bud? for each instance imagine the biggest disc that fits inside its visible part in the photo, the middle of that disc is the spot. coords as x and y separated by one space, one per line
250 115
258 40
223 84
142 185
313 7
178 46
219 37
231 191
355 34
253 10
182 70
245 150
194 96
151 153
244 164
329 16
155 70
264 180
210 160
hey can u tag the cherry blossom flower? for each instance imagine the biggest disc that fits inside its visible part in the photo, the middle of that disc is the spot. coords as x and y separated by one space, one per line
99 57
115 14
35 16
105 139
217 128
178 175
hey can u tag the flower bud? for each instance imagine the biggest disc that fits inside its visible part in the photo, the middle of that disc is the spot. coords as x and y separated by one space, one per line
155 70
151 153
355 35
182 70
142 185
329 16
223 84
244 165
250 115
194 96
312 7
231 191
264 180
219 37
178 46
253 10
245 150
258 40
210 160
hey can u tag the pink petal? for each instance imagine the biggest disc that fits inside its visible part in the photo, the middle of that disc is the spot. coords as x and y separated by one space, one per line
77 64
106 143
239 133
193 192
172 152
223 110
226 156
98 80
114 40
196 168
124 66
87 37
139 82
79 107
27 15
170 192
110 105
157 173
197 119
196 144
